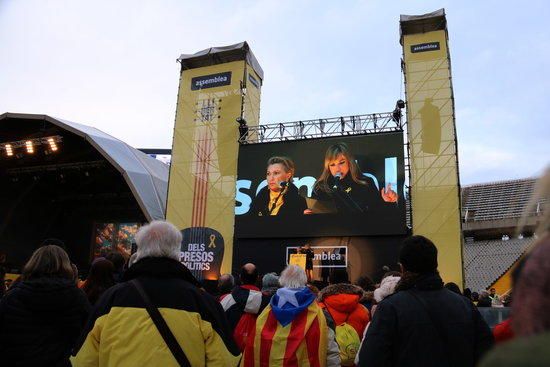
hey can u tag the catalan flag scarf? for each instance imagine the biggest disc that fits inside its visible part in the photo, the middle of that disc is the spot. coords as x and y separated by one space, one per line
290 332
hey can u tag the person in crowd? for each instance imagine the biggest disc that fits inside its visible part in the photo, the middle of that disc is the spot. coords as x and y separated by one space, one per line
453 287
507 299
313 288
493 293
530 316
339 275
343 183
341 301
503 331
119 262
226 283
280 196
292 328
368 286
120 331
387 288
270 284
475 298
306 249
243 305
100 278
325 267
424 324
484 300
467 293
43 314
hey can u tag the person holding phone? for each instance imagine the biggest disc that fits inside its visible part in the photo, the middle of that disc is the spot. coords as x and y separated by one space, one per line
280 196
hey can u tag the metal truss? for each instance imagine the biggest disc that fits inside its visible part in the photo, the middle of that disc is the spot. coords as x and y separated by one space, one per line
78 166
320 128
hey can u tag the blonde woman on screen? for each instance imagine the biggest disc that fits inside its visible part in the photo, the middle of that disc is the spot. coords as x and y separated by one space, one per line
280 196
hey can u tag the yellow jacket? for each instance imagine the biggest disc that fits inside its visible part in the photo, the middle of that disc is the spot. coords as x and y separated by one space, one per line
121 333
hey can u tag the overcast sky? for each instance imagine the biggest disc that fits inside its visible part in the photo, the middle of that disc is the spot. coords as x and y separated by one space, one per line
112 65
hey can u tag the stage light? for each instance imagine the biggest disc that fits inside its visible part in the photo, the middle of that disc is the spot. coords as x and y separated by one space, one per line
9 150
53 145
30 148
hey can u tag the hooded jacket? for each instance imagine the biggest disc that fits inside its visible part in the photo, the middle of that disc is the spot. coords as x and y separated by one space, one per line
121 332
40 321
342 302
292 331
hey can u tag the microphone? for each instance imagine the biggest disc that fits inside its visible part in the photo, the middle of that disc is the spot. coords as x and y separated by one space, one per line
337 178
283 184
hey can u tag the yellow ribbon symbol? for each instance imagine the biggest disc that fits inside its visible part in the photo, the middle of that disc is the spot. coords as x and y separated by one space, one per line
212 239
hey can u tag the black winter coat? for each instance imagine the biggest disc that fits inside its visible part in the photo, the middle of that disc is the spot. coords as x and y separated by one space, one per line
403 334
293 205
350 196
40 321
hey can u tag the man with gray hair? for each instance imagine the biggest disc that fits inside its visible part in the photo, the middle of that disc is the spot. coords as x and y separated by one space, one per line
121 331
293 328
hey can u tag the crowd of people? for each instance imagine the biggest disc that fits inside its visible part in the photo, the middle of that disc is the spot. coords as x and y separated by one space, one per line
151 311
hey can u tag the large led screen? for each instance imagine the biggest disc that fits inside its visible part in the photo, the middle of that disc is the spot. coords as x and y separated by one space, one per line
344 186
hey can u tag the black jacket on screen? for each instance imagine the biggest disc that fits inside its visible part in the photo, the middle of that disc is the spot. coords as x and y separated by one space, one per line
403 334
293 203
350 196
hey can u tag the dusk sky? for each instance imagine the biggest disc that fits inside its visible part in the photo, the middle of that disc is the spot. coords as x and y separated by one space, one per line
112 65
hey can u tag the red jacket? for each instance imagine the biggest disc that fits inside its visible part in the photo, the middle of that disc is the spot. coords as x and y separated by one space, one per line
503 331
342 302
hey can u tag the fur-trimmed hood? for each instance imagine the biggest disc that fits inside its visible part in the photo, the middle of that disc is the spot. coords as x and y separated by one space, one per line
341 288
342 297
342 302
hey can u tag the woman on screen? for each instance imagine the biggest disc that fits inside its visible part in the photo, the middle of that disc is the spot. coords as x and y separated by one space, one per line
343 184
280 196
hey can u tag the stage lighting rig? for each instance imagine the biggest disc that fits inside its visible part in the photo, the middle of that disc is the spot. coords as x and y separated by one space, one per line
243 128
397 114
9 150
29 146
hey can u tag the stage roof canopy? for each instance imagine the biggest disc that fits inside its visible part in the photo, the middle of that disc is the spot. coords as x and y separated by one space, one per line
222 54
147 177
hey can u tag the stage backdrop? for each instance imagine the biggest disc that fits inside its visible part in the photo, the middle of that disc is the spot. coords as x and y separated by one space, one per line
217 86
357 254
380 160
432 138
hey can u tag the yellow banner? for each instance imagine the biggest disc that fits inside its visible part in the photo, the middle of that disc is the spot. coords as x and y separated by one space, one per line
201 192
433 151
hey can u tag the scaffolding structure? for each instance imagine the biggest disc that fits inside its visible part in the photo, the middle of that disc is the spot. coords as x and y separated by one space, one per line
322 128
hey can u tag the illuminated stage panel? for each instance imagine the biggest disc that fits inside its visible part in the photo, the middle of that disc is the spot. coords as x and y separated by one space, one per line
355 208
